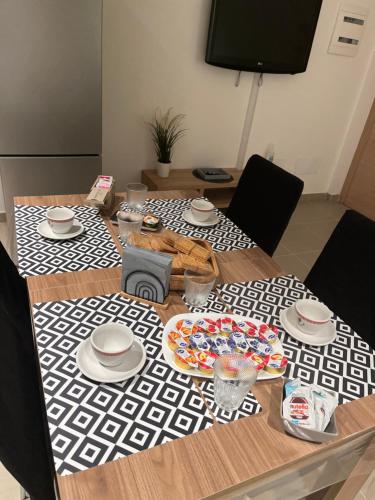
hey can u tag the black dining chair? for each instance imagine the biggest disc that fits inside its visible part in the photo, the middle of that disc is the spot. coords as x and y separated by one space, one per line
24 447
343 276
264 201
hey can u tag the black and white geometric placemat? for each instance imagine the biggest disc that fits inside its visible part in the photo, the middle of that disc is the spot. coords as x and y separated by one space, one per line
346 366
93 249
250 405
222 237
213 304
92 423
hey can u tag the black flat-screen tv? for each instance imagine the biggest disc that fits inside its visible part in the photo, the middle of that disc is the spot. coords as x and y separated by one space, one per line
264 36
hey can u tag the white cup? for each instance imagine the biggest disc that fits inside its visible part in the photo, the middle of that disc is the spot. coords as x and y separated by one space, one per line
111 342
202 210
60 219
311 315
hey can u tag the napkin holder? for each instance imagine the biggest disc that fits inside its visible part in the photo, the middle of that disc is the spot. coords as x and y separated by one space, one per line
146 275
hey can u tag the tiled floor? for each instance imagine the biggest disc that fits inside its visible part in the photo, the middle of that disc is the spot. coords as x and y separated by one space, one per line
309 229
9 488
307 233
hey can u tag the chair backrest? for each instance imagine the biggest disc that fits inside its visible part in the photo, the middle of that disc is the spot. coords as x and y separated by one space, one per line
264 201
24 449
344 274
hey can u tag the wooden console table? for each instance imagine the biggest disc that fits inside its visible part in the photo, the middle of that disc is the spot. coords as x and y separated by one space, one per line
219 193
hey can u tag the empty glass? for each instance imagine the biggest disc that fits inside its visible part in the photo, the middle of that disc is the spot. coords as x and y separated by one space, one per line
198 285
136 195
234 374
128 222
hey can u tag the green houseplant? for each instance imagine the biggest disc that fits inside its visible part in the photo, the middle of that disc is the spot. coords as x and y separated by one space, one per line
166 131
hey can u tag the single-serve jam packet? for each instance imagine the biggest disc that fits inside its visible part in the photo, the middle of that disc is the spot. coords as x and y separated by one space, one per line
208 326
246 327
186 327
199 341
308 406
269 332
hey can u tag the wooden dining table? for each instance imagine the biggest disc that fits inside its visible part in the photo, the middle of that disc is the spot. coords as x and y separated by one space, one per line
224 460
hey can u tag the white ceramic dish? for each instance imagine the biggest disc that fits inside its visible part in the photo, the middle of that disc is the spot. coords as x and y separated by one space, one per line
202 210
325 336
188 217
89 365
311 315
60 219
111 342
45 231
169 354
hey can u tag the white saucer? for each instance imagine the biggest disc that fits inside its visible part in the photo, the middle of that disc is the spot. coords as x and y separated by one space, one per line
45 231
188 217
90 366
325 336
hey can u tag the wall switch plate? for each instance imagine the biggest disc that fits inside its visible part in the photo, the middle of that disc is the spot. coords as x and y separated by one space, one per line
348 31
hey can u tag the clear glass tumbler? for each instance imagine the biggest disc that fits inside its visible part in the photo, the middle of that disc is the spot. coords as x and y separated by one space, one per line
234 374
198 285
128 222
136 195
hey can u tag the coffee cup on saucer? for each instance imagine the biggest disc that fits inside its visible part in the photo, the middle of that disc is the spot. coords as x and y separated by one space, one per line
111 342
311 315
202 210
60 219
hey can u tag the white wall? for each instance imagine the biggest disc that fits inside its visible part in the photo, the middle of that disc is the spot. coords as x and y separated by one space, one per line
355 127
153 55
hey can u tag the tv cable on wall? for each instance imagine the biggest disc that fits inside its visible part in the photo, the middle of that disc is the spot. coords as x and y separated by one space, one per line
261 36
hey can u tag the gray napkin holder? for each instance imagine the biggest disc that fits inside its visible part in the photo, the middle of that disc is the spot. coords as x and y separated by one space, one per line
146 273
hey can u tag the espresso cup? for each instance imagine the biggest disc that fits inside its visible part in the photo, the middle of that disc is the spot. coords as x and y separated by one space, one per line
202 210
311 315
60 219
111 342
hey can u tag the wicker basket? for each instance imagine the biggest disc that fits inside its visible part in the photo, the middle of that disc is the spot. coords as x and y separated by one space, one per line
177 280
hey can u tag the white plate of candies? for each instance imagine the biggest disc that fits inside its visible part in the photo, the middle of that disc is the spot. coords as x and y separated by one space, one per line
192 341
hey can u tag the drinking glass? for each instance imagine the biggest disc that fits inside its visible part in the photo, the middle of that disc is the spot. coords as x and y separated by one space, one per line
198 285
234 374
136 195
128 222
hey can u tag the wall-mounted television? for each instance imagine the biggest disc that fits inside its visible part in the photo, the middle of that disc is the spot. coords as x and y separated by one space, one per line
264 36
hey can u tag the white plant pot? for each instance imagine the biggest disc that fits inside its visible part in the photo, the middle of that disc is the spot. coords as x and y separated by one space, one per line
163 169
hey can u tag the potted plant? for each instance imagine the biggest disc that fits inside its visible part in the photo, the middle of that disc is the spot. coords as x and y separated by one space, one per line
166 130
